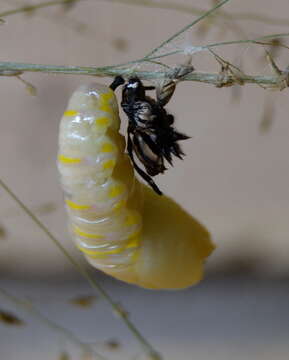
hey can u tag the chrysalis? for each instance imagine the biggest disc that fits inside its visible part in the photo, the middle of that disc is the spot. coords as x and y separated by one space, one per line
122 227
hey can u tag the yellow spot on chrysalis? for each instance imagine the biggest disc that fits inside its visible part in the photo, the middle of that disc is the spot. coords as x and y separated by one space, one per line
107 147
68 160
104 254
104 104
92 253
100 254
109 164
70 113
79 232
76 206
132 243
102 121
115 190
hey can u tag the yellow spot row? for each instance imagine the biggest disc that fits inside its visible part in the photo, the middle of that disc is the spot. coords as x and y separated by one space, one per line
76 206
104 104
82 233
133 243
70 113
68 160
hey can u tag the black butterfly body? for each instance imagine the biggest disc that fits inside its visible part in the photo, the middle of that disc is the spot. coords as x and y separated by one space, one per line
151 135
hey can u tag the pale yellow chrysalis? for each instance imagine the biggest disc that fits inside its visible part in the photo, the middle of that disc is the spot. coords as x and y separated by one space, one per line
122 227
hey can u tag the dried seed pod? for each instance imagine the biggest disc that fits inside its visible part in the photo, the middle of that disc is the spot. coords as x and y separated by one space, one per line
122 227
8 318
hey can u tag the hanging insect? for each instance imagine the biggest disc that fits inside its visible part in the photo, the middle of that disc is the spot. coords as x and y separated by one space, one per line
121 225
150 134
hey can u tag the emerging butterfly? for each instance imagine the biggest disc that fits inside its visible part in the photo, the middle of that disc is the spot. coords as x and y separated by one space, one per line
121 225
150 134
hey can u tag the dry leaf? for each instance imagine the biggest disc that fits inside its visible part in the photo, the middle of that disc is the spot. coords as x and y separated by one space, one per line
112 344
10 319
83 301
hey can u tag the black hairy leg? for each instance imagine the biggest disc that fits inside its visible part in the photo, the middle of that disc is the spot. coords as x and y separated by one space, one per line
143 174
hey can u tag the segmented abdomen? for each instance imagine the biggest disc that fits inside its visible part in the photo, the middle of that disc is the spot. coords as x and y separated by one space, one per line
103 201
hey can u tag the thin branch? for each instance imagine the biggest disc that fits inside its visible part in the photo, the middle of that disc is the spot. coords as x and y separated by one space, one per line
29 308
261 18
56 18
166 5
119 311
189 9
252 41
208 78
196 49
187 27
31 8
15 69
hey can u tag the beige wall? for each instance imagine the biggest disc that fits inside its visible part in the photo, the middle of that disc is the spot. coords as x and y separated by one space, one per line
234 179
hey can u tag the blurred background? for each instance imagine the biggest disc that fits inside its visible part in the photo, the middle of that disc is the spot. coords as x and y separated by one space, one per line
234 179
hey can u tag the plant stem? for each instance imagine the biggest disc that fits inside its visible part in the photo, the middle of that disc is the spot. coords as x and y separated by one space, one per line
195 49
31 8
203 77
93 283
166 5
185 28
29 308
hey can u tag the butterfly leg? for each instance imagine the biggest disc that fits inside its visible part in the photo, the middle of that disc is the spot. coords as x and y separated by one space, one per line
145 176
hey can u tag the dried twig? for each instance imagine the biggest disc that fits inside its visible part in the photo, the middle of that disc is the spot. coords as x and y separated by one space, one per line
28 307
123 315
166 5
